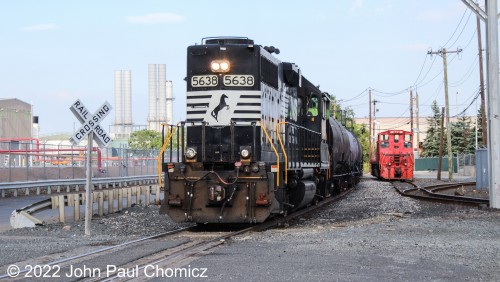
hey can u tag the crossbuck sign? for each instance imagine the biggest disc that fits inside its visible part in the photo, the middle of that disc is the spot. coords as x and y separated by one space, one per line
90 128
90 123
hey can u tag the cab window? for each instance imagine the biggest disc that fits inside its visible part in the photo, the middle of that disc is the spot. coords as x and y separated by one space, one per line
312 107
408 143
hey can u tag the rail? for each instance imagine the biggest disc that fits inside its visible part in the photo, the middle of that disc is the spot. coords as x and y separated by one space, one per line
431 192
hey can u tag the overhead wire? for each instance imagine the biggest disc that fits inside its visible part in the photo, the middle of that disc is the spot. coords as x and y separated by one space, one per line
467 75
427 73
355 97
465 25
472 102
390 94
421 81
421 68
458 25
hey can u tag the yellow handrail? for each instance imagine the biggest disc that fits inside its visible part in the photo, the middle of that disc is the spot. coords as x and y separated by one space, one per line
275 151
283 148
170 134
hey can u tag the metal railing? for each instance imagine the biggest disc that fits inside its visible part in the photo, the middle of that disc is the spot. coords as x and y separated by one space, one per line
31 161
73 184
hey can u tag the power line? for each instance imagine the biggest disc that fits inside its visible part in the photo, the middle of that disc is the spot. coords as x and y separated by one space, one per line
458 25
465 25
470 40
390 94
360 95
425 60
472 102
427 73
466 75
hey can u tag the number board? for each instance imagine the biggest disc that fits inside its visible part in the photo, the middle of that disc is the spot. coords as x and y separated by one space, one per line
231 80
238 80
204 80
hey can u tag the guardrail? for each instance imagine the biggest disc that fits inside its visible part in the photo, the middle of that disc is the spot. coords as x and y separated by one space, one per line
74 184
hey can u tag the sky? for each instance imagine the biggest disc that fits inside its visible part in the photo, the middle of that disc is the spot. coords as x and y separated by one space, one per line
53 52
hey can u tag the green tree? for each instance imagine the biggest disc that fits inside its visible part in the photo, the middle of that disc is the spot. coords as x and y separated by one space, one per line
363 136
430 146
479 129
145 139
462 137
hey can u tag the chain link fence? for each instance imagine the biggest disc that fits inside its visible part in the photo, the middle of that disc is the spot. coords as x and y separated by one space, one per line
466 164
27 161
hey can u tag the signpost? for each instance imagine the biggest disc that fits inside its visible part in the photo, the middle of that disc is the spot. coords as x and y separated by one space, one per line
90 128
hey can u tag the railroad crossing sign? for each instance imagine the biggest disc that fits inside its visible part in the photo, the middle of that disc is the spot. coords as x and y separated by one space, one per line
90 123
90 128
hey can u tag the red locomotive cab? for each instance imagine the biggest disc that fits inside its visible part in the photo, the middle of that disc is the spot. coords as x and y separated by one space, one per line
394 156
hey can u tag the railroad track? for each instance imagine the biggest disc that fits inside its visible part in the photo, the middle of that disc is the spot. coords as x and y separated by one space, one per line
61 263
169 250
439 192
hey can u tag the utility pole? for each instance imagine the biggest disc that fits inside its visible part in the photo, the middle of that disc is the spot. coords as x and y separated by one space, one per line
411 111
443 53
481 81
492 55
418 123
493 104
370 126
441 144
374 117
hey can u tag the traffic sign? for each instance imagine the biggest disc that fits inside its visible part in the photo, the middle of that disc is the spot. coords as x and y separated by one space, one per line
90 123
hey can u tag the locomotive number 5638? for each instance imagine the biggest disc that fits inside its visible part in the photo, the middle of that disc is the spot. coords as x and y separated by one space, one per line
238 80
204 80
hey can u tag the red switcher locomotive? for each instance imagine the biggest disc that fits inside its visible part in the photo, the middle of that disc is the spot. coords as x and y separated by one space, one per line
394 156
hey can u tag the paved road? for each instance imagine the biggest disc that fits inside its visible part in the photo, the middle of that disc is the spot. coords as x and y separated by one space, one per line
7 205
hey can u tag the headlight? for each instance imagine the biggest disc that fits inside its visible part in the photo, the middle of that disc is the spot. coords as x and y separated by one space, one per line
190 153
245 153
215 66
220 66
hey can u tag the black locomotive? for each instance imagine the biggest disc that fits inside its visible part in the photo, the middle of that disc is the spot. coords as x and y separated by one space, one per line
259 138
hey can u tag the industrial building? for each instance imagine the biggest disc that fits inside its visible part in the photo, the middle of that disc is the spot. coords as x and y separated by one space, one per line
160 97
16 119
122 125
18 129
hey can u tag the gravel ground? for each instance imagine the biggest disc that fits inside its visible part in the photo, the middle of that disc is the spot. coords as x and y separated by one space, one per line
132 223
371 234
